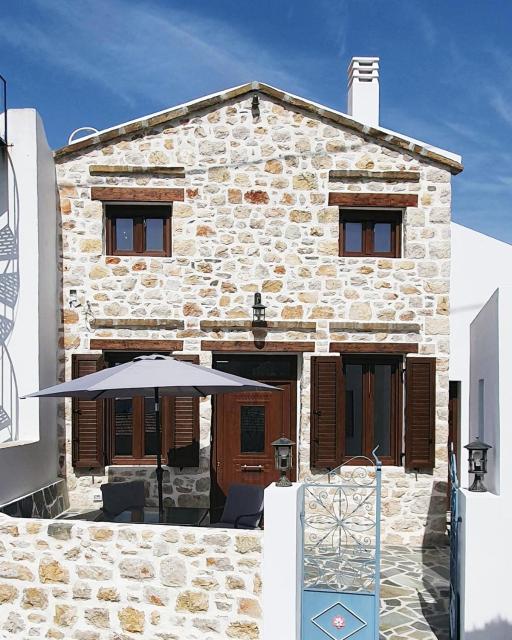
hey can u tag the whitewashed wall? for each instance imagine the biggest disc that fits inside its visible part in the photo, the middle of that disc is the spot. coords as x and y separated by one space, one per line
480 264
28 449
487 517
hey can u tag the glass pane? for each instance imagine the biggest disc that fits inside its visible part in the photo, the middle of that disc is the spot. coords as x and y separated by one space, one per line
353 409
150 441
258 367
382 408
123 426
252 429
154 234
382 237
124 234
353 236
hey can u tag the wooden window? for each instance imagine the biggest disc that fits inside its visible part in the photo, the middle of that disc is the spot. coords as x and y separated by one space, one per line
326 412
420 413
132 429
372 407
87 449
356 404
370 233
123 430
133 230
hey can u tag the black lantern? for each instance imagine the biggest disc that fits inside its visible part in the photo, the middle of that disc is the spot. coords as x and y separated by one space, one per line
283 458
258 310
478 463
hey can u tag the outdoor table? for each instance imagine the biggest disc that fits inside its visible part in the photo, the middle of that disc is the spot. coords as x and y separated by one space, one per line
182 516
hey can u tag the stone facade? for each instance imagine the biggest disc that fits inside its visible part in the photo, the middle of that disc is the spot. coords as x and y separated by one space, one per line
256 218
98 582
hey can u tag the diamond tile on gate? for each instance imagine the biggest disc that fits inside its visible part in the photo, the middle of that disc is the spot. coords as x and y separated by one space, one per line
338 622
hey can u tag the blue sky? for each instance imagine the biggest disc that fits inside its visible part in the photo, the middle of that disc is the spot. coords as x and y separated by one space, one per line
446 69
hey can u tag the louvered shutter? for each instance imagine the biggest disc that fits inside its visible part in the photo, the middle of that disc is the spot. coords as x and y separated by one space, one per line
327 397
87 425
184 427
420 413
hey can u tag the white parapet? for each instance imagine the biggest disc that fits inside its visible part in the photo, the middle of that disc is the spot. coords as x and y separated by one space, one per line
282 562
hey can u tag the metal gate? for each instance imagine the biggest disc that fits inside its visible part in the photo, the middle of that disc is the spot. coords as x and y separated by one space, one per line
341 547
455 521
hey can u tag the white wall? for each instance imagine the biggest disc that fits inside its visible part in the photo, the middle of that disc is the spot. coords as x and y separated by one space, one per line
480 264
28 450
487 517
282 562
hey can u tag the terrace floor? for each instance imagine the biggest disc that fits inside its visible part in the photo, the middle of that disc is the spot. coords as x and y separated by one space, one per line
414 593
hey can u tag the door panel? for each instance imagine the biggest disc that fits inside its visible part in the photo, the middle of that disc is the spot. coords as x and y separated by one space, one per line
247 424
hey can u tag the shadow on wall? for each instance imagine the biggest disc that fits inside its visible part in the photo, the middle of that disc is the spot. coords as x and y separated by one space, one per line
496 630
9 292
434 598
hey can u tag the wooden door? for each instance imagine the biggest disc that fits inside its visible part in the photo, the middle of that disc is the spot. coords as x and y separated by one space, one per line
245 426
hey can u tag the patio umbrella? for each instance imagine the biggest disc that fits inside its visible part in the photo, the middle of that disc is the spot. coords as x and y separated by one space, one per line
155 375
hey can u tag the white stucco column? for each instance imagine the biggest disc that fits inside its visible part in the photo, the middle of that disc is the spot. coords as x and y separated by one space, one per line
282 562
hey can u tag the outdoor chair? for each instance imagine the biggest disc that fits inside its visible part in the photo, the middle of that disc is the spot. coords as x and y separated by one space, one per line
122 496
243 508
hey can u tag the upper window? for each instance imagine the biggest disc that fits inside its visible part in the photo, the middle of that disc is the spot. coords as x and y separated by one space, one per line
133 230
370 233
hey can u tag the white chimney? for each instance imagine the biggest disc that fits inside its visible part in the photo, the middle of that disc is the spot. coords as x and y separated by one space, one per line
363 90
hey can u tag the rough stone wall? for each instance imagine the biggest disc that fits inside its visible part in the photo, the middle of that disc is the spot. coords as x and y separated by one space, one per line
48 502
98 582
256 218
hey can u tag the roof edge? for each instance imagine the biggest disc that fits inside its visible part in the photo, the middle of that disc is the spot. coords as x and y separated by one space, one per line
405 143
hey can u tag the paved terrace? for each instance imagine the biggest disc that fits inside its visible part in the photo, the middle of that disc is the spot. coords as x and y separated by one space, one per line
414 593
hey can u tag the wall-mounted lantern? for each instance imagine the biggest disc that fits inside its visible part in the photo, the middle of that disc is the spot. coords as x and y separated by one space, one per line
283 458
258 310
74 302
478 463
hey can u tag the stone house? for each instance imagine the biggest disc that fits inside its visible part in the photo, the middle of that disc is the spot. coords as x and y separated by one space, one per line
169 226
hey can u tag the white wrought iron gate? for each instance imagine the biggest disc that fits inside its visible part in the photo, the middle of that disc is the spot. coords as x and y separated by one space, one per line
341 552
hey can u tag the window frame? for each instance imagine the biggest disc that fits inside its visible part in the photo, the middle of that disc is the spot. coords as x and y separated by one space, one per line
397 419
138 457
138 213
368 218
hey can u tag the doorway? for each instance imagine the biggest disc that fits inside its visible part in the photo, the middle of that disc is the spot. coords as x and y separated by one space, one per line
245 424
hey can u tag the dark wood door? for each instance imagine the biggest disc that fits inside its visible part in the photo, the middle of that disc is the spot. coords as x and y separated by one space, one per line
245 426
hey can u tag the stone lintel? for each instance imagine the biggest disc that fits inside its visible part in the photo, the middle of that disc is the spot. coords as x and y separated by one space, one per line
122 169
379 327
384 176
247 325
137 323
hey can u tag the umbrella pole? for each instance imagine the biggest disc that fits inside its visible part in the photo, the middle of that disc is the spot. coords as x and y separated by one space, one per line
159 470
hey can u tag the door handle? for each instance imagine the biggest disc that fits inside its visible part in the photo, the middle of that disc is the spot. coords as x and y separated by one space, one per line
253 467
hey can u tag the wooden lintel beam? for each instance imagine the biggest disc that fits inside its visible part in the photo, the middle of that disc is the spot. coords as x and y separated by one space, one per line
245 346
108 344
120 170
374 347
129 194
397 200
381 176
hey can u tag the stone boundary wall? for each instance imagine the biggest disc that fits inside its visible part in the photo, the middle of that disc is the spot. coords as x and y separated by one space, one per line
47 502
86 581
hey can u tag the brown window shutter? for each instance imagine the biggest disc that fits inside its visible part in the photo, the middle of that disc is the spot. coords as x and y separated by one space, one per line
184 427
326 412
87 417
420 413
